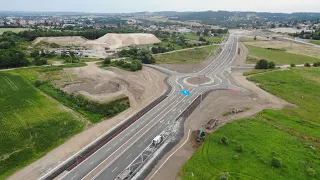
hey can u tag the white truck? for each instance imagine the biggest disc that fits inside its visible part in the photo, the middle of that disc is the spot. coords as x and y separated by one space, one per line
157 140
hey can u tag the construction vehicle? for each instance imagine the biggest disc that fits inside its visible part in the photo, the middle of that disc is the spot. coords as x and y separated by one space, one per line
157 140
201 136
124 175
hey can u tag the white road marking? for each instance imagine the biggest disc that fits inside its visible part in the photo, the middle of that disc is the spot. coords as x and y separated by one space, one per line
114 169
74 176
92 162
128 156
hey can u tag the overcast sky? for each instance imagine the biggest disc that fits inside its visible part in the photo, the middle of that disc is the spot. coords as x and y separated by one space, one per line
112 6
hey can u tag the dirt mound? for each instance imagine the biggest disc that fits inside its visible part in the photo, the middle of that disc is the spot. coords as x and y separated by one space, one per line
106 84
110 40
114 41
62 41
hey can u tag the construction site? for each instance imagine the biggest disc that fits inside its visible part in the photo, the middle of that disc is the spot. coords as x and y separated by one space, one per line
102 47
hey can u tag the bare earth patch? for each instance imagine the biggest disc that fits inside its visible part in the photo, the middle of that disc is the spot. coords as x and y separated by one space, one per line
198 80
142 87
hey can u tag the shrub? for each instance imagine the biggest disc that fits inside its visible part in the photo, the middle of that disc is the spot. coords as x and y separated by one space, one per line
39 61
311 172
307 65
126 65
235 157
292 65
262 64
316 64
240 148
133 67
107 60
224 176
276 162
271 65
224 140
37 83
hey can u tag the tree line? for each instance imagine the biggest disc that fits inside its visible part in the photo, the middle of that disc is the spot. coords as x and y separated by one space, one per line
307 35
134 53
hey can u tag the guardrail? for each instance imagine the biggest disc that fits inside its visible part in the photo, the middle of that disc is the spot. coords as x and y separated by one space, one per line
92 148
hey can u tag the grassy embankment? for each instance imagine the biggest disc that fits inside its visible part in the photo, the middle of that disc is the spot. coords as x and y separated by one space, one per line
195 55
317 42
16 30
288 135
258 71
94 111
30 124
278 56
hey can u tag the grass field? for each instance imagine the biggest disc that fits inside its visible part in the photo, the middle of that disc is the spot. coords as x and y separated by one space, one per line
258 71
195 55
317 42
289 135
30 124
94 111
2 30
280 57
193 36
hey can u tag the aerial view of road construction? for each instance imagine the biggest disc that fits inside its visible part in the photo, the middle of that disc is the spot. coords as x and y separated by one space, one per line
134 90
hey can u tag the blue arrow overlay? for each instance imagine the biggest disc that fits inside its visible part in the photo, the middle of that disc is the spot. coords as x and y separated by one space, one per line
185 92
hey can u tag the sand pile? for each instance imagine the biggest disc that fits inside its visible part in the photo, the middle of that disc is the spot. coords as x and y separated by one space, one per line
62 41
114 41
110 40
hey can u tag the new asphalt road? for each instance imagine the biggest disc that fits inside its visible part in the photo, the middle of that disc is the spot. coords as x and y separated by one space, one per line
111 159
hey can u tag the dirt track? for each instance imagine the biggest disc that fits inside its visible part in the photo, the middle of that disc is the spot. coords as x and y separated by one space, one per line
153 86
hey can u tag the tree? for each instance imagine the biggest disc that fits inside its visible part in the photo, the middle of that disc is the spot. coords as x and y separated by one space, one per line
107 60
273 26
34 53
255 38
38 61
307 65
271 65
146 57
202 39
262 64
5 45
292 65
154 50
206 32
133 67
11 58
138 64
316 64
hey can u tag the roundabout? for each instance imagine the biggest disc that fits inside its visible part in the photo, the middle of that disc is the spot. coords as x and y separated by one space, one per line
198 80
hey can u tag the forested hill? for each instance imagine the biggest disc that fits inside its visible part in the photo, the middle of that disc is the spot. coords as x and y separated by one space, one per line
223 15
